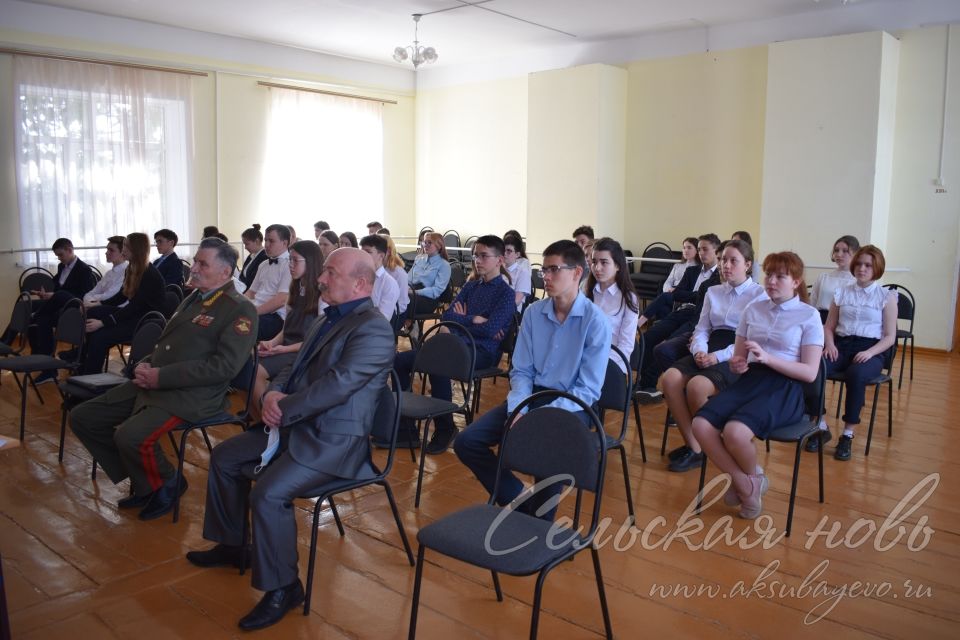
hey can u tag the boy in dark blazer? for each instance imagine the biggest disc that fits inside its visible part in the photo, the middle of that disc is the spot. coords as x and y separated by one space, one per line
168 264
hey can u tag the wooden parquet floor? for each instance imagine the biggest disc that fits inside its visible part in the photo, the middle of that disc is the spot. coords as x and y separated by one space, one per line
76 567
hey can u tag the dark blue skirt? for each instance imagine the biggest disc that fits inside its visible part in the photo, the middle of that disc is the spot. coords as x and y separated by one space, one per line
761 398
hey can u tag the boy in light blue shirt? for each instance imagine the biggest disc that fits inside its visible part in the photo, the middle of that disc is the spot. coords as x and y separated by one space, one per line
563 344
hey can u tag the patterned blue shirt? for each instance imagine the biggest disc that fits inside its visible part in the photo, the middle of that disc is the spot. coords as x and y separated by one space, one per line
569 357
494 301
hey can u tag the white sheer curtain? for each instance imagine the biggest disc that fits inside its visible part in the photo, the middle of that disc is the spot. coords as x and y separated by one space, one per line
101 150
324 162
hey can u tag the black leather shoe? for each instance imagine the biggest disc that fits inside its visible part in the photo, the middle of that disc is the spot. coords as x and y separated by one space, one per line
163 499
273 606
222 555
134 501
690 460
818 440
440 440
679 452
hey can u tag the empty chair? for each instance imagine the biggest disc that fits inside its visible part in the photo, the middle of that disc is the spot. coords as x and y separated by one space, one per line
449 356
508 540
906 311
651 275
70 330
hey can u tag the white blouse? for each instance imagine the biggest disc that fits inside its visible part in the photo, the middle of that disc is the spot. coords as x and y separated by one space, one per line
622 319
520 278
400 276
722 307
781 329
861 309
676 275
827 284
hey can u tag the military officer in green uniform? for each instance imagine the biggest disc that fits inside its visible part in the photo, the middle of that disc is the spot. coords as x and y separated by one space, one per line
203 347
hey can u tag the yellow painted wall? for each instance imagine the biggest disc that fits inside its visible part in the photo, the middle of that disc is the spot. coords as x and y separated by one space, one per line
472 157
694 146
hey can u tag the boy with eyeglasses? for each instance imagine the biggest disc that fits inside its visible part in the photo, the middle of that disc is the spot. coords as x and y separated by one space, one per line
563 344
485 308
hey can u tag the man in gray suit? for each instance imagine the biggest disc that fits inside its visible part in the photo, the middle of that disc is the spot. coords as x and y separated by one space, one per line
322 409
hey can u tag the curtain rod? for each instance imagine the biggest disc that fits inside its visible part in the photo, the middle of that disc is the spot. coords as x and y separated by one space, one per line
131 65
328 93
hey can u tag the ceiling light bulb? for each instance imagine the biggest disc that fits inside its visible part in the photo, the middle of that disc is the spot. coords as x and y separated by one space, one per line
400 54
430 54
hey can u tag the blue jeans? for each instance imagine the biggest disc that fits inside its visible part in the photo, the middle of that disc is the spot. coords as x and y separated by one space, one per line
474 447
440 387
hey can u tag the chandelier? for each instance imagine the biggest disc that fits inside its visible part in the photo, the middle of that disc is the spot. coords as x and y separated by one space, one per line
417 54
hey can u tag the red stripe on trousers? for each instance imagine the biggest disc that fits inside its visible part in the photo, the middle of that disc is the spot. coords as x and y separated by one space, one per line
146 452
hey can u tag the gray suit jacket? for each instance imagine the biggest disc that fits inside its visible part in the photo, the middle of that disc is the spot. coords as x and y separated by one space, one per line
330 410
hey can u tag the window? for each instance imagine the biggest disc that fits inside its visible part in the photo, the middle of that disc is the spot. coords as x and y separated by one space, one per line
101 150
324 161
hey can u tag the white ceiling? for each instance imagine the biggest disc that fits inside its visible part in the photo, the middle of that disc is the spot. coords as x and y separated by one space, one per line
370 29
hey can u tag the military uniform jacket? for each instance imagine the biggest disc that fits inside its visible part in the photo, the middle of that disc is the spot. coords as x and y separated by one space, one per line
203 347
331 406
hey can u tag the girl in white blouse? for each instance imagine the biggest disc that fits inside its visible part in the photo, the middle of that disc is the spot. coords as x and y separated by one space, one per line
861 326
692 380
778 347
823 289
610 288
690 258
518 267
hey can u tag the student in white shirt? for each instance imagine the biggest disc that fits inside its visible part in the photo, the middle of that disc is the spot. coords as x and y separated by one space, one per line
515 260
861 326
385 293
270 287
112 280
778 347
393 263
609 287
690 258
706 371
821 296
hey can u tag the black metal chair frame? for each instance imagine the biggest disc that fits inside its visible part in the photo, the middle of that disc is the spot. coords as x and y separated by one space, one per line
560 426
451 233
241 419
617 395
636 357
536 280
908 314
34 278
886 378
385 429
70 329
798 432
453 356
20 318
505 348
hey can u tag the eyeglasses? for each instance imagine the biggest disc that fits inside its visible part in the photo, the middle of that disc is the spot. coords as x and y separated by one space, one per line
483 256
297 260
553 269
